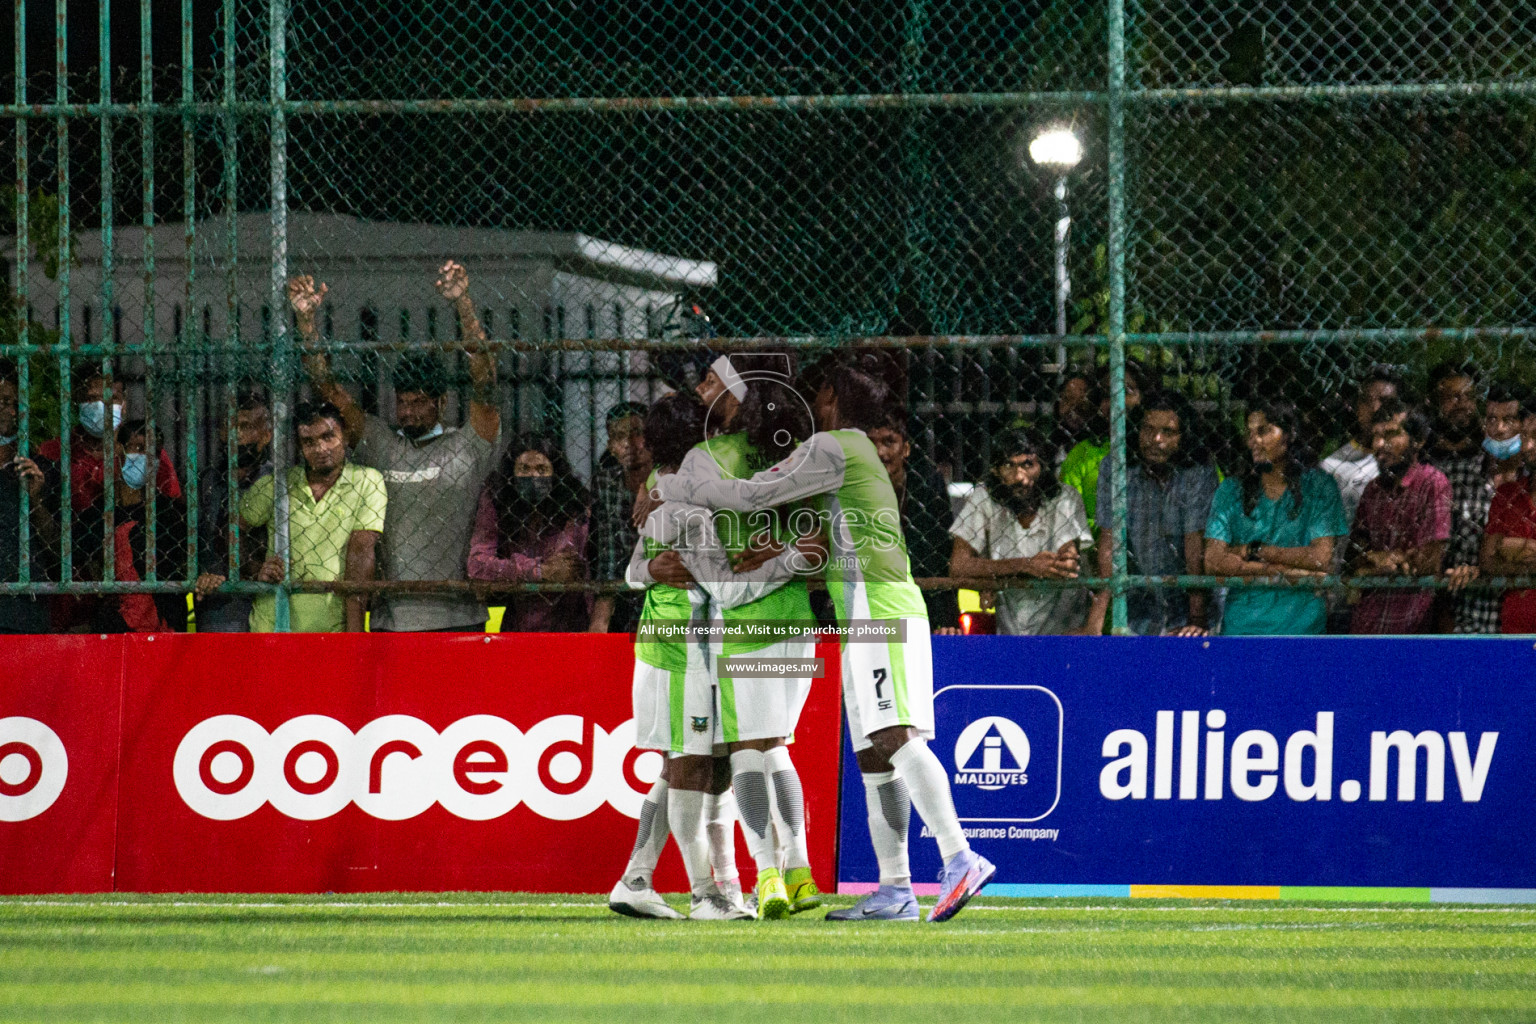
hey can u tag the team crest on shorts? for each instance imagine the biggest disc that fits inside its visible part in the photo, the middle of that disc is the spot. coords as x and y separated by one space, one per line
700 723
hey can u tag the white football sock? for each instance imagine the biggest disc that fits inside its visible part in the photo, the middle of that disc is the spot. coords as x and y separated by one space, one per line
750 782
788 806
720 822
650 837
889 810
928 784
685 811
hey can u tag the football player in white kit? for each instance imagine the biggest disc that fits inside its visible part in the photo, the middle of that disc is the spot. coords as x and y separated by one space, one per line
887 686
676 703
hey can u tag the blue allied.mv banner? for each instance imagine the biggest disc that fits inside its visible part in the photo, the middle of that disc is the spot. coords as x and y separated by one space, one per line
1090 765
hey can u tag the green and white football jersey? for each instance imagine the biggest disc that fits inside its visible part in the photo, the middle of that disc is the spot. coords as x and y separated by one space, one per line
869 574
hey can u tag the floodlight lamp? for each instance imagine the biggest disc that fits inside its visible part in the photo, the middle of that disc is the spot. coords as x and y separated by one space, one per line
1057 148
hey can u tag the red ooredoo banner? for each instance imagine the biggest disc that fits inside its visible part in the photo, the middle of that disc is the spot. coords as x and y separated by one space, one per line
342 763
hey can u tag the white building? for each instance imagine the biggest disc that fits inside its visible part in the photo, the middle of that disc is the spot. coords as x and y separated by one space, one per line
527 284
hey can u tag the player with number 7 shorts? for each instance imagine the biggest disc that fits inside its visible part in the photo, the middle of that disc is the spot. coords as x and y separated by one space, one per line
887 683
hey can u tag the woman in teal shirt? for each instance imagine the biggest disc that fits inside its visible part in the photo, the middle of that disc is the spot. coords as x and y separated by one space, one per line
1276 516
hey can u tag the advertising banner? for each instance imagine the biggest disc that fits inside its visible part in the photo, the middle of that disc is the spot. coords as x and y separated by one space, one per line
1237 766
60 700
335 762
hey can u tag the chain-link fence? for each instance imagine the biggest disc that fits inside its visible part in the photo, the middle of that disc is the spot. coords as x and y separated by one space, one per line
1059 233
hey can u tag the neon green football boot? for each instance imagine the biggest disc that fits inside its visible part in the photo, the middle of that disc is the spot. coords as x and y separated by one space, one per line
803 894
772 897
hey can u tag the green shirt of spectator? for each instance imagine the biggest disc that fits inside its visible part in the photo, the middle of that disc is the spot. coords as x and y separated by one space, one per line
1080 472
1285 525
335 515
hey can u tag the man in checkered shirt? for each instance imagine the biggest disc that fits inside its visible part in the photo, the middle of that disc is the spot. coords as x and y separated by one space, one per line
620 473
1462 452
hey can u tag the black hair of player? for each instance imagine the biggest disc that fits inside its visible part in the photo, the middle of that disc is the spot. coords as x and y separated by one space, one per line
775 419
861 398
673 424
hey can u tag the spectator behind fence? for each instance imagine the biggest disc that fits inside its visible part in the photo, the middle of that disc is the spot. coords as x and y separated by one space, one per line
621 472
231 613
1464 453
433 473
87 466
532 527
1023 522
1402 524
1167 502
1509 545
1073 414
1275 517
926 514
1352 466
38 479
131 547
1080 470
336 512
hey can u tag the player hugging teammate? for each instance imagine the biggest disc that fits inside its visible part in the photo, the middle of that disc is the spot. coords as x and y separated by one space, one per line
887 685
699 572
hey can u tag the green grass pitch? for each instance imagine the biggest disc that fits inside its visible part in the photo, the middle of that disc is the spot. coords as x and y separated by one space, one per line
471 957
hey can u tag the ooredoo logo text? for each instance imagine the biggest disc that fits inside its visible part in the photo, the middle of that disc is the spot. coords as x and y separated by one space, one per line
33 768
397 766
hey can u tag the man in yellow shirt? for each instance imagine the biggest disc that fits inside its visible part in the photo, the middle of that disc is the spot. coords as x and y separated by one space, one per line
335 516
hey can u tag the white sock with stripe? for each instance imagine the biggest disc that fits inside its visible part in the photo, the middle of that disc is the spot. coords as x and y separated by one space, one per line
750 781
650 836
890 810
928 784
788 806
685 811
720 822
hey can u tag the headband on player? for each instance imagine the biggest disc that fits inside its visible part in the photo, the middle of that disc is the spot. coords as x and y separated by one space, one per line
730 378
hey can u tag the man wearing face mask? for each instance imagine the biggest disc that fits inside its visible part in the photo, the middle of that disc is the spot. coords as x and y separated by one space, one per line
1475 461
1023 522
87 461
434 473
231 613
132 552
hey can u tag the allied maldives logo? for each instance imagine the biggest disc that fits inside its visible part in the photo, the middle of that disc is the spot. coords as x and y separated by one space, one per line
396 767
992 753
1006 749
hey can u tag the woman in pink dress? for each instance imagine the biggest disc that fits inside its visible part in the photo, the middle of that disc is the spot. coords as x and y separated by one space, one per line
531 526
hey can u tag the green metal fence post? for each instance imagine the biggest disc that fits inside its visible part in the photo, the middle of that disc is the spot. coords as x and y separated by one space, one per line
189 362
1116 250
61 90
282 341
108 272
23 306
151 388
